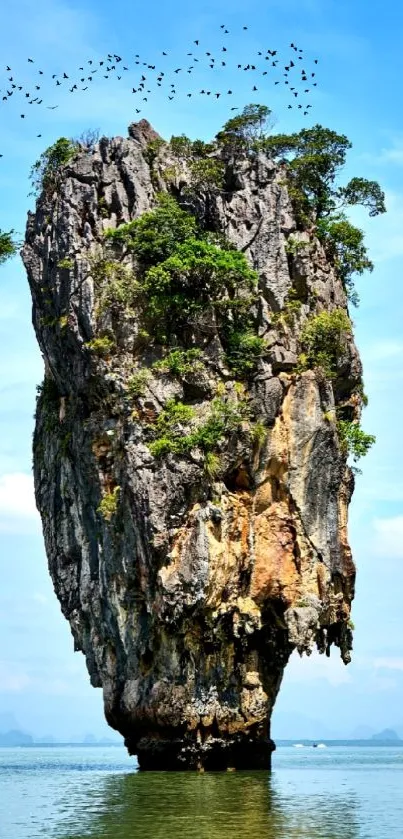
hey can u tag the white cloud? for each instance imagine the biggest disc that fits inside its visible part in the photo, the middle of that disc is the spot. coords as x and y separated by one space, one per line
17 503
389 663
394 155
37 597
383 234
388 488
316 666
391 154
12 680
387 349
389 537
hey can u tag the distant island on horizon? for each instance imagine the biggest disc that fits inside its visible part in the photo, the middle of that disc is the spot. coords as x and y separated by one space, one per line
16 737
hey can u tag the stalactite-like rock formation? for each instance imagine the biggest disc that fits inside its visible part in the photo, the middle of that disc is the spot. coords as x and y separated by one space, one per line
187 582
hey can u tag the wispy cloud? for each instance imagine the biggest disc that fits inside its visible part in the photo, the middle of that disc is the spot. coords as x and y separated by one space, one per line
388 155
389 537
389 663
17 503
12 679
384 234
386 350
314 667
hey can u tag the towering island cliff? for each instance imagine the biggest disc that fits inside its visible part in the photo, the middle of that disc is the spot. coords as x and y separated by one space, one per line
190 466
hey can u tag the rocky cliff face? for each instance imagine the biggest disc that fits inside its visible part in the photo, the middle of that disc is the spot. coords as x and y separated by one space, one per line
187 590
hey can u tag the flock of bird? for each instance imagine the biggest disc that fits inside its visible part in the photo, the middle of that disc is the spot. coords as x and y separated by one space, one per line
265 66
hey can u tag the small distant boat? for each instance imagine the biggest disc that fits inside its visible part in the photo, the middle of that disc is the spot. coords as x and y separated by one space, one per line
298 745
314 745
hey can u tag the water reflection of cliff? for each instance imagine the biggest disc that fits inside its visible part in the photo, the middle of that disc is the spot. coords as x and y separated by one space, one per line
211 806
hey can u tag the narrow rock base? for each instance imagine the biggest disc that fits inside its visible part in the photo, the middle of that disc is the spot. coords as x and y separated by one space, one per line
215 754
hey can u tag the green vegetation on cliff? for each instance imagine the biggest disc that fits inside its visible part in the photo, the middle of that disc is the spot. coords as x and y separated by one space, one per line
175 272
186 280
312 159
179 430
323 339
8 246
46 172
353 440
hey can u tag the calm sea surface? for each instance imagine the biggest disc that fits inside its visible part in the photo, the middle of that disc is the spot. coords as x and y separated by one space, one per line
342 792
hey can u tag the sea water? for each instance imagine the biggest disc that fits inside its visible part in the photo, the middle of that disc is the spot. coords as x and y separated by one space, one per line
72 792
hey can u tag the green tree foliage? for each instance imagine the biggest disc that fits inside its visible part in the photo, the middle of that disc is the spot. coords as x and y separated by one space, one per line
344 245
201 149
323 340
353 440
207 174
366 193
185 279
240 133
198 276
314 158
244 348
154 236
8 246
180 362
181 147
116 284
102 346
185 149
179 430
45 173
109 504
153 149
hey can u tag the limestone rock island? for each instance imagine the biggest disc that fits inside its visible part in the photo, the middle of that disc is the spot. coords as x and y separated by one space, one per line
189 468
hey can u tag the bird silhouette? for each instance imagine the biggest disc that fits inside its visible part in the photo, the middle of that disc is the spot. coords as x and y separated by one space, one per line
112 61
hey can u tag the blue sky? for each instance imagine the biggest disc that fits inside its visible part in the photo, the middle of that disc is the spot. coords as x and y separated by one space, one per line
359 47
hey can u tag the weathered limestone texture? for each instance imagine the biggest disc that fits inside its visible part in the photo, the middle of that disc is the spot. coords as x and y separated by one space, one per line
188 596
